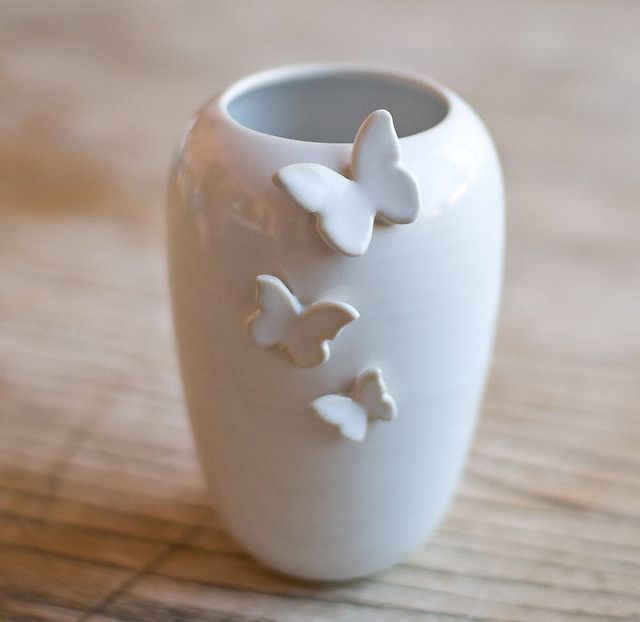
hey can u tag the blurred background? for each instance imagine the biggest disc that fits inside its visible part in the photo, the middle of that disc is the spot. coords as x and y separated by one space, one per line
102 510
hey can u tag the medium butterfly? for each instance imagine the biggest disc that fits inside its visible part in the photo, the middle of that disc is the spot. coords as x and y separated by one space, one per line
369 400
301 330
381 187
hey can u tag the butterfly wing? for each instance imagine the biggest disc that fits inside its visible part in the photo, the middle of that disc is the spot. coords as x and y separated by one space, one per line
344 413
278 310
348 228
376 145
307 343
312 186
378 170
344 215
371 392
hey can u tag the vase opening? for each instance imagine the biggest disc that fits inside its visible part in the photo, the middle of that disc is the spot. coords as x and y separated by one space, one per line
328 104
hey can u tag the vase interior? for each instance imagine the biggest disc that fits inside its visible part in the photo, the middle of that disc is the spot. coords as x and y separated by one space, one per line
329 105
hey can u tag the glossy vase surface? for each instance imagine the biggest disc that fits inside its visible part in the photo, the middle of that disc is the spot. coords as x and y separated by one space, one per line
348 485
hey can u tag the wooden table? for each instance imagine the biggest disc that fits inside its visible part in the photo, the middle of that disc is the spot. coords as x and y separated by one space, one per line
103 515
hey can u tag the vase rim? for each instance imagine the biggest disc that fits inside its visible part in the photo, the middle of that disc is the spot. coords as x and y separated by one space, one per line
440 98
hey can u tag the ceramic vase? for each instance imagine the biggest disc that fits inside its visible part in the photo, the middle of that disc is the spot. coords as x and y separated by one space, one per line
335 241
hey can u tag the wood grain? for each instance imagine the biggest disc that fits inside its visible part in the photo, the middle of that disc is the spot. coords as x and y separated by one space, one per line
103 515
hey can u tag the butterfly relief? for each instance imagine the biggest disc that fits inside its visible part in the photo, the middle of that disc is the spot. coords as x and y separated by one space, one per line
368 401
302 331
381 187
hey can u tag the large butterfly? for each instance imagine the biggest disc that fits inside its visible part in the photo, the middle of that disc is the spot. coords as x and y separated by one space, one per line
369 400
302 331
345 208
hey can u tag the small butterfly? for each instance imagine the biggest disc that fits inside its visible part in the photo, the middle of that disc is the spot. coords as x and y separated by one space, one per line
302 331
369 400
345 208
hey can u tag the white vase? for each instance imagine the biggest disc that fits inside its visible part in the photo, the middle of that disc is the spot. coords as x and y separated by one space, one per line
343 486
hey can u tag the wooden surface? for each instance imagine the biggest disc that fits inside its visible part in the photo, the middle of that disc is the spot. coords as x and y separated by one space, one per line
102 510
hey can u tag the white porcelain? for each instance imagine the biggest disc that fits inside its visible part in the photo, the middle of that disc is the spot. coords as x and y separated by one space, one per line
303 331
368 400
379 186
333 412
